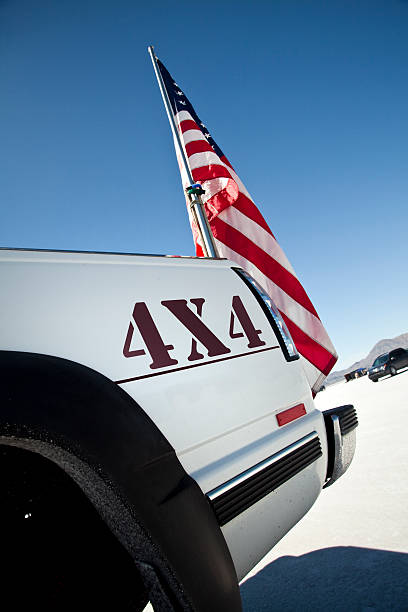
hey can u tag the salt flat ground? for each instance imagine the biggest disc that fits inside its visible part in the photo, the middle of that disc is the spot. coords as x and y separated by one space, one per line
350 552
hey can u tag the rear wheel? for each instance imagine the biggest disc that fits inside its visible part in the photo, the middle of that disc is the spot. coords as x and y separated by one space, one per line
59 554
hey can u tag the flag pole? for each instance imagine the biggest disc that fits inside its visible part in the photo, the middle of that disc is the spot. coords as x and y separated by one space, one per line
196 203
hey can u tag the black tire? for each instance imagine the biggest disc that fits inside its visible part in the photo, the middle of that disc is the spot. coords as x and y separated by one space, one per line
59 551
393 371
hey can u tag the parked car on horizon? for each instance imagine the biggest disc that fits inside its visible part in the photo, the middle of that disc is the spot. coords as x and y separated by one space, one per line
355 374
388 364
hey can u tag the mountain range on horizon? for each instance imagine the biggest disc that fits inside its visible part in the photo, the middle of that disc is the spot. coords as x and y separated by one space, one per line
382 346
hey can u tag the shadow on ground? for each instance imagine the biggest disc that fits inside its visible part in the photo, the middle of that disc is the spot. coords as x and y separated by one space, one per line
333 579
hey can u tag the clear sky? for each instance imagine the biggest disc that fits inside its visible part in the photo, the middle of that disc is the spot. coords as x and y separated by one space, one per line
308 100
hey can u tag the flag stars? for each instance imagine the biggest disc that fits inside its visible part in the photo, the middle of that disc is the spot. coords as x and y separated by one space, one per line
182 102
179 93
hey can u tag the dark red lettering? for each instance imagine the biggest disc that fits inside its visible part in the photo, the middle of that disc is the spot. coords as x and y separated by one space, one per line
251 333
197 328
126 348
195 354
159 351
232 333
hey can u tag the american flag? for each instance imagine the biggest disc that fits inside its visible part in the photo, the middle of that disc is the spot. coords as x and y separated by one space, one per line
242 235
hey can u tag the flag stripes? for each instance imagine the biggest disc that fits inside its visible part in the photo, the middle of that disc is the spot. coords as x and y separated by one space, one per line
322 359
286 305
234 217
245 206
242 235
266 264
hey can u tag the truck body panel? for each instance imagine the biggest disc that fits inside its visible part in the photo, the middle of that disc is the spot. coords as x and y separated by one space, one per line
188 341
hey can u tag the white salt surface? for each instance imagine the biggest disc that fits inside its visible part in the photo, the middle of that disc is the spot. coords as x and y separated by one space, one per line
350 551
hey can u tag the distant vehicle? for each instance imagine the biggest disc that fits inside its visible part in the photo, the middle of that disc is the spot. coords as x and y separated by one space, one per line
355 374
388 364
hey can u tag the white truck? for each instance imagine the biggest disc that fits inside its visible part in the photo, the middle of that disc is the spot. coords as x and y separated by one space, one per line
157 433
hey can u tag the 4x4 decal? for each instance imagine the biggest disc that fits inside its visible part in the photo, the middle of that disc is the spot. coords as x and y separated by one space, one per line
161 352
197 328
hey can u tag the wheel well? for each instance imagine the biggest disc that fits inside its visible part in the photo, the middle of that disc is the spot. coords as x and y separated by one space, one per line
58 550
103 440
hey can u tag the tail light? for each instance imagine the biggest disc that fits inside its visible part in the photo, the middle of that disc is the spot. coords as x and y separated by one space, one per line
272 314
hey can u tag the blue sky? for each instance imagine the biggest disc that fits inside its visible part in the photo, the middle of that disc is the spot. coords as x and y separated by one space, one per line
308 100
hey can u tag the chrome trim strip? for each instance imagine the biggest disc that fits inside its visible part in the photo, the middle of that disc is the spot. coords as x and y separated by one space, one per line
337 435
230 484
344 448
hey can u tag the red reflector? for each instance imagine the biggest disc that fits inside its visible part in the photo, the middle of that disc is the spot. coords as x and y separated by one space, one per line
291 414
